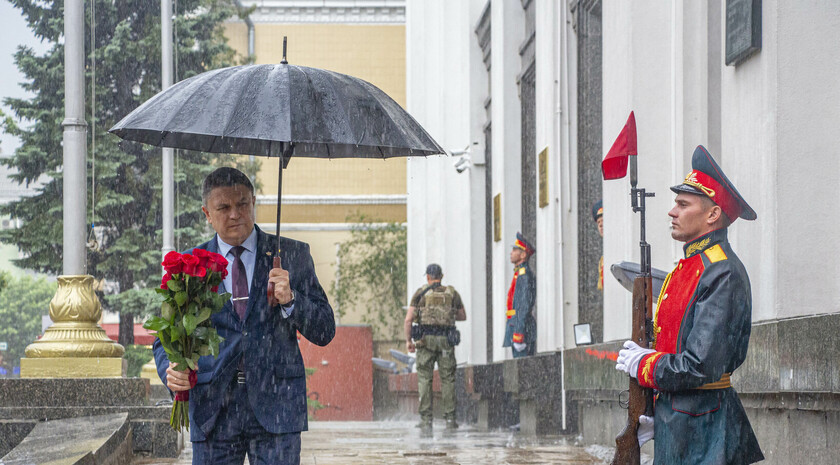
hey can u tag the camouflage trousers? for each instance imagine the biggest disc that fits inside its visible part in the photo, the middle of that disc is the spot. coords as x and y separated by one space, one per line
433 349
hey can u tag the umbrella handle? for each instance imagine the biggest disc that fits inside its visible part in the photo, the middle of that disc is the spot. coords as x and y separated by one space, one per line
272 301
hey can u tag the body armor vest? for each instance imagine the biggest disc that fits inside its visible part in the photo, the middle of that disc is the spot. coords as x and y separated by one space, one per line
438 310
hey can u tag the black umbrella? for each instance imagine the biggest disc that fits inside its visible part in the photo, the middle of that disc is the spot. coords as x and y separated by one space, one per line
278 111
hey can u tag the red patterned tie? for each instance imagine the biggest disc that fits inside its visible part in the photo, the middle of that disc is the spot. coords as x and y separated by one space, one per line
240 282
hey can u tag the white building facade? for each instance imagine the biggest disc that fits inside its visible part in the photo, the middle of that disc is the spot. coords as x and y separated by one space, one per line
469 64
511 79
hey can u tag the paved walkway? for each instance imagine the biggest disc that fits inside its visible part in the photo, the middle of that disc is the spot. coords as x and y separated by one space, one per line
399 443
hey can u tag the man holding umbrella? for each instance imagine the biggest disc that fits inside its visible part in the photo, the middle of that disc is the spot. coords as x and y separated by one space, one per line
251 399
280 111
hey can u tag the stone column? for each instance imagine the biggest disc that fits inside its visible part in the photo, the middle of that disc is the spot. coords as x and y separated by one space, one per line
74 346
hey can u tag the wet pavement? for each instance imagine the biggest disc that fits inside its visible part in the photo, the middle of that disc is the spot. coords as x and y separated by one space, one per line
398 443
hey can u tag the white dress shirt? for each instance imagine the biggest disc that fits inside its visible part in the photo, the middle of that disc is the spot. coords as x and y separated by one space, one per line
249 258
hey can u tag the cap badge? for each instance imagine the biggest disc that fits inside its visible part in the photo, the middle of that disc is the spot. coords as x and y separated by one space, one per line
691 180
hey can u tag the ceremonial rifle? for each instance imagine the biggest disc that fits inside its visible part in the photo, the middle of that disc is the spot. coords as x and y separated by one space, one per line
640 400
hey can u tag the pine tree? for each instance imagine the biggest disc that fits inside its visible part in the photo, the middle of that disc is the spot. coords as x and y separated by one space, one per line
125 199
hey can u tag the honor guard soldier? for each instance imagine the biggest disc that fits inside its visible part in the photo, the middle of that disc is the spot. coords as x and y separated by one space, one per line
598 218
435 309
701 331
521 326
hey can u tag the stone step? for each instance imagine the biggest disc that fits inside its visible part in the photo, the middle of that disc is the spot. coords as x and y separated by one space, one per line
26 402
72 392
92 440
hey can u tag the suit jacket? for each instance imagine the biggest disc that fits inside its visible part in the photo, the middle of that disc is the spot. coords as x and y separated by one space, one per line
521 325
273 365
702 330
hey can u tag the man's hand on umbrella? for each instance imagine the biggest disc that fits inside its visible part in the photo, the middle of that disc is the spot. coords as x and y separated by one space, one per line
280 278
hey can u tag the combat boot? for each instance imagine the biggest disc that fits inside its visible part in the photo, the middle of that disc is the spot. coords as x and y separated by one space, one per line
425 429
451 425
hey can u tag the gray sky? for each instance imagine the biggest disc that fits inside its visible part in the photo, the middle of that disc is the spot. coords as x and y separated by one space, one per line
14 33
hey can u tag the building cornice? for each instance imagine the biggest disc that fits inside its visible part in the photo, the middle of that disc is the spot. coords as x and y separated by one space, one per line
327 11
270 227
375 199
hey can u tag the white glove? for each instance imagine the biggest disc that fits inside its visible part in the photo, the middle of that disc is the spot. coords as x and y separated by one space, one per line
645 431
519 346
629 358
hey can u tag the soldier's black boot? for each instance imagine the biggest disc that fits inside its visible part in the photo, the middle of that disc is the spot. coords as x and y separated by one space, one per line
426 429
451 425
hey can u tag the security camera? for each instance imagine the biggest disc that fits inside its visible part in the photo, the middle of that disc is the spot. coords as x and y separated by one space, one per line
462 164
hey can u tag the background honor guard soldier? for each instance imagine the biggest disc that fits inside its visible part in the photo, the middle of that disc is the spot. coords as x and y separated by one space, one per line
598 217
435 308
701 330
521 327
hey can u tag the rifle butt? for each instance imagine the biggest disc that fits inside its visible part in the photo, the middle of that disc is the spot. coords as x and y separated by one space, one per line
627 450
640 400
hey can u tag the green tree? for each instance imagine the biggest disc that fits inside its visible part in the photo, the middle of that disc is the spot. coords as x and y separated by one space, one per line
136 356
126 194
22 302
372 274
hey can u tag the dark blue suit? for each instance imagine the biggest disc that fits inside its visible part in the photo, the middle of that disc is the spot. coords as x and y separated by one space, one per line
276 381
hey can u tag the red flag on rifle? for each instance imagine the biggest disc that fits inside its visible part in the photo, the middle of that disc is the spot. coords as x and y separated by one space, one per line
614 165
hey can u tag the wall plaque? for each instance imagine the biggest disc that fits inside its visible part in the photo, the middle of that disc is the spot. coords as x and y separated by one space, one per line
743 30
543 177
497 218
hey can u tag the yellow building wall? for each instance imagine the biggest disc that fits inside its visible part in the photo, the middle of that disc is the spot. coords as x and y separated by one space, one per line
322 246
374 53
330 213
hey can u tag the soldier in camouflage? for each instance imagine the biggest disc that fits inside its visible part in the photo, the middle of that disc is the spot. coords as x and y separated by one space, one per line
432 314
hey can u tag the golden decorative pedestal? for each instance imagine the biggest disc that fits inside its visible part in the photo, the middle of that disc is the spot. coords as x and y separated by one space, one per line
149 371
74 346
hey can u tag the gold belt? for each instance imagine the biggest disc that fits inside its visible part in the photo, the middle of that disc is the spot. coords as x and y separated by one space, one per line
722 383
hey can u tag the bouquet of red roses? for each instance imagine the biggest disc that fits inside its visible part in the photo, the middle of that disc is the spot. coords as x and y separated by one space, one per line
184 326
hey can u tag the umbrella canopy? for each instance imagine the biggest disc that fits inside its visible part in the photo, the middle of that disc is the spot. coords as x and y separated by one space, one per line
268 109
278 111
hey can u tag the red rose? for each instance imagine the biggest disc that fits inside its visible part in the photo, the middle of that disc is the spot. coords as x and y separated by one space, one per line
173 263
215 288
218 264
203 257
165 280
192 266
200 272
